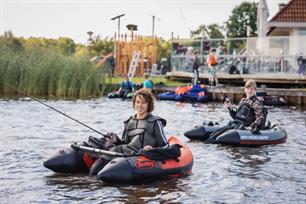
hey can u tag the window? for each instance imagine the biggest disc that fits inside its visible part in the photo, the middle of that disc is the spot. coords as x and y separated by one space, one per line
302 32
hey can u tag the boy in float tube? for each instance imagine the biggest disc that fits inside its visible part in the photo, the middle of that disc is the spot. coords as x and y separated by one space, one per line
250 110
141 131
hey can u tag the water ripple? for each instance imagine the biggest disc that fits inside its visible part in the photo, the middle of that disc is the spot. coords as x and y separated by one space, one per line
31 133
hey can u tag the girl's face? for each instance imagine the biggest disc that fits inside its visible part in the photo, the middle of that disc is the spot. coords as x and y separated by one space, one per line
141 106
250 91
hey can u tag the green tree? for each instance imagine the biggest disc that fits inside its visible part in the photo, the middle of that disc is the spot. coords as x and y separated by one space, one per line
211 31
100 46
9 40
163 49
243 16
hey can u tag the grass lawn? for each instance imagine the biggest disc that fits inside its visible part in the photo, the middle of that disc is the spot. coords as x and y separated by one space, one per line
137 80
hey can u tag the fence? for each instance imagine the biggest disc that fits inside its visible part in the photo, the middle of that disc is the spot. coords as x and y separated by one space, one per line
243 55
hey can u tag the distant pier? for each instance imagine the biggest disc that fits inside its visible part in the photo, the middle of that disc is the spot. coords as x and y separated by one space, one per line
270 79
232 86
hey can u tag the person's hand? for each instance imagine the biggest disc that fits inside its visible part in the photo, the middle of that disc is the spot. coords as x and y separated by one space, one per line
112 137
242 127
228 104
147 148
255 130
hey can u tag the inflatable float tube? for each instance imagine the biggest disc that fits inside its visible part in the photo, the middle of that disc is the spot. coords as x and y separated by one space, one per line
270 100
70 160
125 169
194 96
274 101
167 96
116 95
122 169
235 137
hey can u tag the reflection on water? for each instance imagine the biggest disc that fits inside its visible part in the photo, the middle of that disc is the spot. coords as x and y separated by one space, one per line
31 133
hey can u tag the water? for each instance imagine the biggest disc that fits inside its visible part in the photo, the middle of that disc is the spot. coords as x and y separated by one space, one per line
31 133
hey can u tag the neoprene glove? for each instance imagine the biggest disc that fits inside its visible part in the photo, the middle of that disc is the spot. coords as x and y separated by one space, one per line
113 138
255 130
242 127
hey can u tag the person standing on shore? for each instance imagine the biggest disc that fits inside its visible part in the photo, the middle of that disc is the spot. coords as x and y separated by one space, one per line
212 63
195 67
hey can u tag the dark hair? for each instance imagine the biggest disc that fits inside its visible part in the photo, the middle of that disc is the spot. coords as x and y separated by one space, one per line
146 75
147 96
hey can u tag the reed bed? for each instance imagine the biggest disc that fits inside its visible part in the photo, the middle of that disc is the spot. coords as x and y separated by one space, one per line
44 72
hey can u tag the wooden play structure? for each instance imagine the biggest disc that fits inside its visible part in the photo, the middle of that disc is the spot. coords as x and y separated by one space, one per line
134 56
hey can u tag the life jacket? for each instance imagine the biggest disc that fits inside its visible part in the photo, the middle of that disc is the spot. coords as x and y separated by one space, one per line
182 90
139 133
127 86
246 114
212 59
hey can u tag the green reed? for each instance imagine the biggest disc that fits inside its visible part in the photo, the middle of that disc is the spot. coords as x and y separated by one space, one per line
48 73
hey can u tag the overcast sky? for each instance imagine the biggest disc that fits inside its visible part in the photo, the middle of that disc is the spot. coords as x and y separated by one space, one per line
73 18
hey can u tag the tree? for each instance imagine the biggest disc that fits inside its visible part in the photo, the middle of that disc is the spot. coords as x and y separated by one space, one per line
101 46
211 31
163 49
243 16
11 41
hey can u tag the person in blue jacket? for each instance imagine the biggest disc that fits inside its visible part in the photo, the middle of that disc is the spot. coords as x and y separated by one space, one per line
147 83
126 87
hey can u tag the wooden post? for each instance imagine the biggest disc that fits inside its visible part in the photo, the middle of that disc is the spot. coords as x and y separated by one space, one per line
141 56
125 51
115 55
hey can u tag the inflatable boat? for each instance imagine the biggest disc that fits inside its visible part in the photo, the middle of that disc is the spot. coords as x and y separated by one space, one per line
140 167
195 93
115 94
238 137
271 100
72 160
124 168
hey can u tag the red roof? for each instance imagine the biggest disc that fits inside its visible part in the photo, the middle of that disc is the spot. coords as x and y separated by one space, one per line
294 11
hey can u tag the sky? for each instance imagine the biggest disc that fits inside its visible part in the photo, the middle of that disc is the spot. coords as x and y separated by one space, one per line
74 18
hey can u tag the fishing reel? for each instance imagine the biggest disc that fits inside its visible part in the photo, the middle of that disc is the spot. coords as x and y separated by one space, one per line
226 100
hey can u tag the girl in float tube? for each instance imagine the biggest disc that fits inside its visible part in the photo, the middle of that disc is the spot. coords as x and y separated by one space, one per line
141 131
250 111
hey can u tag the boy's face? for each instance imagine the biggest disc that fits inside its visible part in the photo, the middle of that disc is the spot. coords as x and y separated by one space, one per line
250 91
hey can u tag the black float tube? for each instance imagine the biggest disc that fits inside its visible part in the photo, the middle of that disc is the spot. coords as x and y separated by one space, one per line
35 99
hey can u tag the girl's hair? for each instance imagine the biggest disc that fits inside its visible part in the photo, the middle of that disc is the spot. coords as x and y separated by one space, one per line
147 96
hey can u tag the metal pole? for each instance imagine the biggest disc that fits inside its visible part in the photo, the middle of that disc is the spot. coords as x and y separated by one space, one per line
153 26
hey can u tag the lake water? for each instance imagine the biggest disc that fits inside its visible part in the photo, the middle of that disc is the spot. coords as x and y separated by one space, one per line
31 133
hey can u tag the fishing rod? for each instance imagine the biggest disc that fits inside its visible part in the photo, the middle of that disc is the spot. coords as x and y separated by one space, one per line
226 99
36 99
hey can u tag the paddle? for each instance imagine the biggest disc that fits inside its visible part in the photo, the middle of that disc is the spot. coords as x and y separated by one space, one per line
98 153
35 99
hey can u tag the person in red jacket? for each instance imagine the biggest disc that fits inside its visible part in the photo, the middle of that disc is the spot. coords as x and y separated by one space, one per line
212 63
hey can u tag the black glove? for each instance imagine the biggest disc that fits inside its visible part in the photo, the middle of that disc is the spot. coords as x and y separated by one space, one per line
255 130
113 138
226 100
241 127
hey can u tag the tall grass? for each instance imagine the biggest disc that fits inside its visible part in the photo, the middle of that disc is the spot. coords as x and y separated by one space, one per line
48 73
